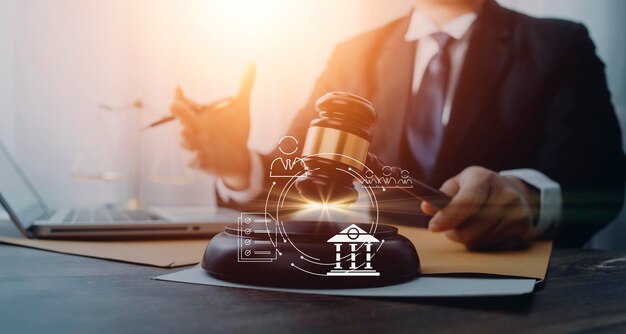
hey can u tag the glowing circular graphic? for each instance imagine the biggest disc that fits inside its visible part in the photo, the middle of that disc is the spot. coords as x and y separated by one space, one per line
276 207
353 233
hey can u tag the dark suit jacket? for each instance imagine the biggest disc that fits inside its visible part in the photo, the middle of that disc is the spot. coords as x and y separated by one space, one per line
532 94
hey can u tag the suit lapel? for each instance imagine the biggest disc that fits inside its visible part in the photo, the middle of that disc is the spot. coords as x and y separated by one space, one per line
486 60
393 78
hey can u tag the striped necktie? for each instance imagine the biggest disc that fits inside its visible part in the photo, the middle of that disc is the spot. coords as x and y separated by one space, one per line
424 129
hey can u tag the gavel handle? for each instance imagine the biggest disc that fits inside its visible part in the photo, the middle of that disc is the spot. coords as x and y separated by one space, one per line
428 194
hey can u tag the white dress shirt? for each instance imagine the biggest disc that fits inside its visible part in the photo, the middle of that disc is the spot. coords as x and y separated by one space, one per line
420 30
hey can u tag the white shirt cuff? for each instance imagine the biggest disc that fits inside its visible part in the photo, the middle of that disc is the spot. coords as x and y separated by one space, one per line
255 181
550 206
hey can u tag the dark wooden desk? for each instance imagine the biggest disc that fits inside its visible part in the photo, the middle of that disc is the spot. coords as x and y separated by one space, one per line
42 292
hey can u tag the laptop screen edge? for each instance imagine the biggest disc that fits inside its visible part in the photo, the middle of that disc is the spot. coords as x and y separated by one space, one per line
23 226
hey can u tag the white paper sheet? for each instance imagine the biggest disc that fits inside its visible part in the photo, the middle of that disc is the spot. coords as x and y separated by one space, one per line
419 287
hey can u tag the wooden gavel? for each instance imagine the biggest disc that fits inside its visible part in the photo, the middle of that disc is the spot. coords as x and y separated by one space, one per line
339 141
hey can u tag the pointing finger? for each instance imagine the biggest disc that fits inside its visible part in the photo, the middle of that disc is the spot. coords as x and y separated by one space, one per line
247 82
180 96
179 93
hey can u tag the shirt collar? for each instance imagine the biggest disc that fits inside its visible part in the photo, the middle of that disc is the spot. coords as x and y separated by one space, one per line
422 26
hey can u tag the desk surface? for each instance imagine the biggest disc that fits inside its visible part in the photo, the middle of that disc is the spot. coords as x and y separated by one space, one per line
47 292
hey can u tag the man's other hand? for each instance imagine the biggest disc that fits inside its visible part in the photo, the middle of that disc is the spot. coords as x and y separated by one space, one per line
487 211
218 133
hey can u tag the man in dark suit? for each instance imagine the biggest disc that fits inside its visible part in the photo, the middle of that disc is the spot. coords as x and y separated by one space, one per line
510 113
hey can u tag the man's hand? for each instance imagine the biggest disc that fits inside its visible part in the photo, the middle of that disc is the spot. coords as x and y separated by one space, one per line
218 133
487 211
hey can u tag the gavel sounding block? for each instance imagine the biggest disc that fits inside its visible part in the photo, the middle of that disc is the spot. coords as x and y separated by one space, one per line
313 255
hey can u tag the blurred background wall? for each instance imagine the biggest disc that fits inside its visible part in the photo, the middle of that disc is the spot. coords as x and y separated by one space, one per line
62 58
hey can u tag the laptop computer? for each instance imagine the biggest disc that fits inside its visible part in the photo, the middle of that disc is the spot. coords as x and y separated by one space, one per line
35 220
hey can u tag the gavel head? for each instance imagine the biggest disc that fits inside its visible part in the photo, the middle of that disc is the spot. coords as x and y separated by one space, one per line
336 145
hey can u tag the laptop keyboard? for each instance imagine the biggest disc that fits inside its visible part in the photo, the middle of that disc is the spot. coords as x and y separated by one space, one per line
86 216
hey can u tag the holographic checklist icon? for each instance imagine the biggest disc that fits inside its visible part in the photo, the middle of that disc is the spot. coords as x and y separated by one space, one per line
257 234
